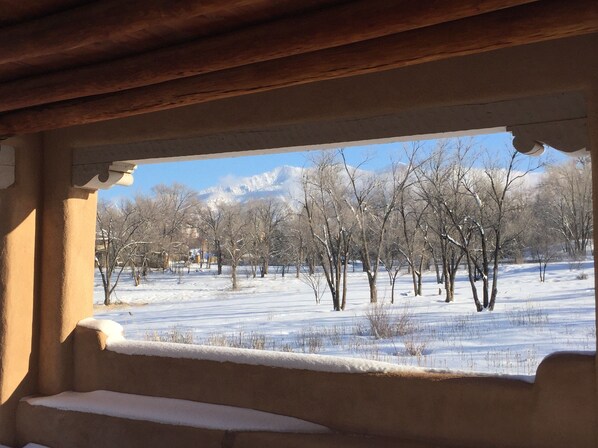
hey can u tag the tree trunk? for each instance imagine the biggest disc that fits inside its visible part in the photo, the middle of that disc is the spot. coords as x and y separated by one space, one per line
450 278
392 287
471 277
414 280
106 296
450 297
373 288
335 302
106 285
233 274
494 290
540 267
338 273
219 259
439 276
344 301
493 294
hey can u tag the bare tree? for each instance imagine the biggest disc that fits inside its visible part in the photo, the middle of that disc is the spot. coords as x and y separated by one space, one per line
210 218
372 198
265 217
118 228
327 219
502 208
442 182
414 230
175 205
298 248
479 203
315 280
438 186
543 251
567 192
391 257
234 238
543 240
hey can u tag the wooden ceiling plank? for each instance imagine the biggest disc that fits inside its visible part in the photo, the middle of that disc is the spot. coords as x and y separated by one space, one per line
99 21
14 11
536 22
341 25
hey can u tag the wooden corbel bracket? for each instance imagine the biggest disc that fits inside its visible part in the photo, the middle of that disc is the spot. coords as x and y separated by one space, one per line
103 175
569 136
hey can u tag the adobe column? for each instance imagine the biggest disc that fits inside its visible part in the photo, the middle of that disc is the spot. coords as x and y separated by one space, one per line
68 238
20 200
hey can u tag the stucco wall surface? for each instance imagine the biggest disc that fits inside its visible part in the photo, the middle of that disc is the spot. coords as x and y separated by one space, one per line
438 408
68 236
19 256
47 230
79 429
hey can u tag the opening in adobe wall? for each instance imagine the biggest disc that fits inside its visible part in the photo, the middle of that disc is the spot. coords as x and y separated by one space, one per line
454 254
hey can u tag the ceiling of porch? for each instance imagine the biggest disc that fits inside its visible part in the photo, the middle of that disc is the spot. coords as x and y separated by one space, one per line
72 62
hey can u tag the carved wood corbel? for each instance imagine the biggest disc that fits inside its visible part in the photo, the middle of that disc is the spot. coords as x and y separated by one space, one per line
7 166
101 176
526 145
569 136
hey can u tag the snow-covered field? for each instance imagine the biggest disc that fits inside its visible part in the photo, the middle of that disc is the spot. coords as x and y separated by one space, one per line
530 320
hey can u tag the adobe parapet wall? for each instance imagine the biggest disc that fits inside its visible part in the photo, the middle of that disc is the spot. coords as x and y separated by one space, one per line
557 409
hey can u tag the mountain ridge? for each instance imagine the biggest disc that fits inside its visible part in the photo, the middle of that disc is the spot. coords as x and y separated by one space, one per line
283 182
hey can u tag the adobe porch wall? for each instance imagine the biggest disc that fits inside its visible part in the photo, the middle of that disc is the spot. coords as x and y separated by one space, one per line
47 230
45 288
19 223
68 253
558 410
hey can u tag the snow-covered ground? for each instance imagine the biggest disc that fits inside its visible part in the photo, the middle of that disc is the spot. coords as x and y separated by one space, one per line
530 320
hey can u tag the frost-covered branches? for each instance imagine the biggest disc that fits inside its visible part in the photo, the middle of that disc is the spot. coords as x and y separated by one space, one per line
447 205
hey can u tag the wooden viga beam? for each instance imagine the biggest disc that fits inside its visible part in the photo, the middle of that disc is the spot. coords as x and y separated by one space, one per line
536 22
336 26
97 22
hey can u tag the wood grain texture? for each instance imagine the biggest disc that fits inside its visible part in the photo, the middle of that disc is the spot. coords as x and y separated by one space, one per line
99 21
161 34
15 11
328 28
536 22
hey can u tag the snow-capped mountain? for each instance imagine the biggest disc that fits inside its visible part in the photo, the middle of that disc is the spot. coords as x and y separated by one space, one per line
283 182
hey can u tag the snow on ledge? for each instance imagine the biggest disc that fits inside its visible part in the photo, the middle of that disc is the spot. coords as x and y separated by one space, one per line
320 363
175 412
115 342
110 328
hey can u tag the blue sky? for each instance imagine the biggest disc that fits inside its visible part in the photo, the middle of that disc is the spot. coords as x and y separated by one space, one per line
201 174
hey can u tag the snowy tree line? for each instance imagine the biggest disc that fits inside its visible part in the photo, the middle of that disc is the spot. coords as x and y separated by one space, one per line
454 206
